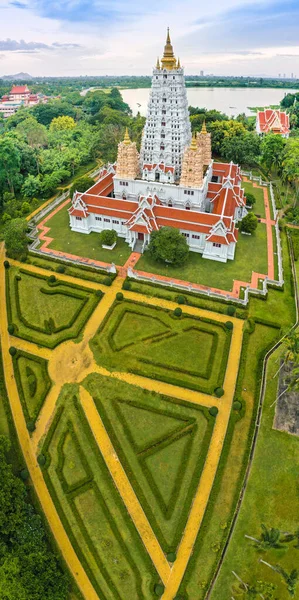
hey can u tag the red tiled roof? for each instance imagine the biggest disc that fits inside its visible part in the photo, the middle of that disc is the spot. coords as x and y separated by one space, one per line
218 239
162 167
268 118
19 89
139 228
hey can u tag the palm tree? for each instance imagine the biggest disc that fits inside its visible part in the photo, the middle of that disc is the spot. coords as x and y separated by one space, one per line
269 539
290 579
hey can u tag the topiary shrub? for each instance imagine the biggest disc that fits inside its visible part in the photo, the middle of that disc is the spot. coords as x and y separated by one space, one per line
126 285
11 329
24 474
231 310
51 279
177 312
108 237
12 351
119 296
213 411
31 426
181 299
60 269
98 293
237 405
18 277
107 281
6 264
219 391
32 383
41 459
229 325
159 589
171 556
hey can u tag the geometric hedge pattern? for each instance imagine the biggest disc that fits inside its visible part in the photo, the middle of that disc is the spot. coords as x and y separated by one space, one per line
145 340
162 445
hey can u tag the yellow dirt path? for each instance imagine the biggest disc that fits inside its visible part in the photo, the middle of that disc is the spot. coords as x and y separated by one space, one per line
40 487
123 485
210 467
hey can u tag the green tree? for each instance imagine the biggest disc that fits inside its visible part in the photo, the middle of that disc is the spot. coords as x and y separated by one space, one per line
249 223
168 245
32 186
62 123
250 199
272 148
241 149
15 238
81 185
10 160
222 130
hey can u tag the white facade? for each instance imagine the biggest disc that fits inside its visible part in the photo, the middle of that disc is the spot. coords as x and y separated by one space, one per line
167 131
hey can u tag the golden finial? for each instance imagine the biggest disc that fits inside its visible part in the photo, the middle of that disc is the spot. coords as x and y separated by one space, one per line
204 129
127 140
158 63
168 61
178 64
193 145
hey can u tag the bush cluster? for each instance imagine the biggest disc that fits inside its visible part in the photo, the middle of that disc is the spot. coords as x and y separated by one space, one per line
119 296
219 391
177 312
213 411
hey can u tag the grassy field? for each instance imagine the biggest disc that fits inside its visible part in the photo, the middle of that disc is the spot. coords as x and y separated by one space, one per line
79 271
274 481
43 313
84 494
152 342
251 255
82 244
162 444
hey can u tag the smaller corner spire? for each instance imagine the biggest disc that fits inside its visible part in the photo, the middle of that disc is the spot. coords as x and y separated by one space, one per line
204 129
193 145
158 63
127 139
178 64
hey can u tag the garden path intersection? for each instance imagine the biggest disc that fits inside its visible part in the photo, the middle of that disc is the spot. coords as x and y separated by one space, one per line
72 362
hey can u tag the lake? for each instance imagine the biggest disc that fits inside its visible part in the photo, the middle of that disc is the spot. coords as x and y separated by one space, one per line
231 101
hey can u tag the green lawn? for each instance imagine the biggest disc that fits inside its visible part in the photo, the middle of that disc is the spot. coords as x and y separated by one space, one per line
89 505
251 255
43 313
274 482
33 383
80 271
81 244
259 207
162 444
149 341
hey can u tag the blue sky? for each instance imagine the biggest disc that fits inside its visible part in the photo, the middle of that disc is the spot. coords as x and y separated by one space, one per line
78 37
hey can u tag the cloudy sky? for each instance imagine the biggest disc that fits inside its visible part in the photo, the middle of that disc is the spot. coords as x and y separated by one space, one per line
98 37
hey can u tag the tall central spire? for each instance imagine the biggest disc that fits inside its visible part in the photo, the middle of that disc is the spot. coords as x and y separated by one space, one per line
168 61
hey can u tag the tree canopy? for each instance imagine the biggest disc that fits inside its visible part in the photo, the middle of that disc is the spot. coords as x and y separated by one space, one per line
168 245
15 238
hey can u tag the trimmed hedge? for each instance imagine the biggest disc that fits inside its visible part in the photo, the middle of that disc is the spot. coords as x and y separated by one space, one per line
219 392
237 405
34 383
107 281
12 351
49 327
6 264
119 296
159 589
177 312
229 325
11 329
126 285
78 270
181 299
213 411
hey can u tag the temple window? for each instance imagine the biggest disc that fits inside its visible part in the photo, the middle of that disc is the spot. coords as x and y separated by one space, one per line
98 218
78 218
215 245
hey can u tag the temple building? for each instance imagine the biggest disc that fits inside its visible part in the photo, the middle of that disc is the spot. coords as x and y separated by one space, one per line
19 96
273 121
172 182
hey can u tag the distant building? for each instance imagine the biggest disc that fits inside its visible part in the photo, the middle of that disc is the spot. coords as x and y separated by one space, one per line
201 73
273 121
18 96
